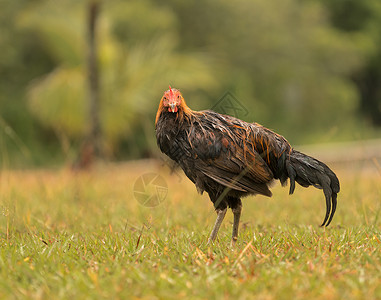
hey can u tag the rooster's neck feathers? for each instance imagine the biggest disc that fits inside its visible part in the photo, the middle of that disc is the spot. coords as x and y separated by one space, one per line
183 113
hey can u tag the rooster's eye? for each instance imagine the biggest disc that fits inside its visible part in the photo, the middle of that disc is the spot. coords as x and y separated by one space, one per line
164 98
178 97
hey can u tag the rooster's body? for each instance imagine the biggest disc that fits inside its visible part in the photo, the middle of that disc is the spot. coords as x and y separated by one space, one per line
229 158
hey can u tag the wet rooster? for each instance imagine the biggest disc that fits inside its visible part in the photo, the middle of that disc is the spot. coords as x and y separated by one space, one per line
229 158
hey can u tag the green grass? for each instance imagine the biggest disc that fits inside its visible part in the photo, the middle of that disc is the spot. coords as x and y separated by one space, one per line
84 235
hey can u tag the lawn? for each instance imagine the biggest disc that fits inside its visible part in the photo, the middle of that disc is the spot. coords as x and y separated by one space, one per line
96 234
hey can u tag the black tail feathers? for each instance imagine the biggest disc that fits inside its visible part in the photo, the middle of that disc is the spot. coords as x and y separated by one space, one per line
307 171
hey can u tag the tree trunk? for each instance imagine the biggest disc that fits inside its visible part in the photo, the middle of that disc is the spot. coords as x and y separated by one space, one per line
91 147
94 138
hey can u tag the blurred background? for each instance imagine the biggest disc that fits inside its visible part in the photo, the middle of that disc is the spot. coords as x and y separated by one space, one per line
84 78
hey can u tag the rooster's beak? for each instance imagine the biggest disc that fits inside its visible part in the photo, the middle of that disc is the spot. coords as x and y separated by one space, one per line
173 106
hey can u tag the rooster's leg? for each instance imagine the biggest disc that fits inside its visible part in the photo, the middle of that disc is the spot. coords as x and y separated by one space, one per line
220 217
237 215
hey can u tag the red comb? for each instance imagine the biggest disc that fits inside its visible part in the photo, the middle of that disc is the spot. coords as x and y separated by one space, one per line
170 90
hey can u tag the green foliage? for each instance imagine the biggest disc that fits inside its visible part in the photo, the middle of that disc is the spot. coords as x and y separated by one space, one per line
137 21
302 68
132 71
62 39
85 236
364 18
58 100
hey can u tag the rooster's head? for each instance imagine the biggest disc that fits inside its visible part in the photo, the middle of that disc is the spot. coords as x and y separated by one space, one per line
172 100
173 103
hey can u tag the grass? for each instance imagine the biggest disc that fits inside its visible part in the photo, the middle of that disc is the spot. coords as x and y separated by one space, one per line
84 235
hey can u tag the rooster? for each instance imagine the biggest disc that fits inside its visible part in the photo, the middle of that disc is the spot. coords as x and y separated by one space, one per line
229 158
